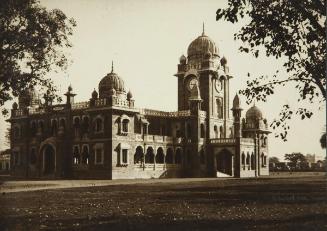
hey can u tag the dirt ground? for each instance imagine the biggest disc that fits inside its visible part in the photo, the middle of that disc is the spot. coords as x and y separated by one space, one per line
297 203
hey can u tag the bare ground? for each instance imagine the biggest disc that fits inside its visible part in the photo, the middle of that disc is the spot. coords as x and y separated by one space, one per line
234 204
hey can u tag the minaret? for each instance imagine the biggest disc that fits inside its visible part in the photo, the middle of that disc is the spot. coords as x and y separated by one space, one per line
70 95
237 117
237 135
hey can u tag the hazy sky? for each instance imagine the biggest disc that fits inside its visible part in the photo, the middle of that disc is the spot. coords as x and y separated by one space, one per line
145 40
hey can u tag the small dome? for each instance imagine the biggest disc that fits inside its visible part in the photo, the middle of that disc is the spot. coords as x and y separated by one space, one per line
94 94
236 102
201 46
129 95
111 82
223 61
182 59
254 113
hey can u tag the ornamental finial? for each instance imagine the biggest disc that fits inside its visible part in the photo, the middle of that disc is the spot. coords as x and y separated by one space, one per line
203 29
112 66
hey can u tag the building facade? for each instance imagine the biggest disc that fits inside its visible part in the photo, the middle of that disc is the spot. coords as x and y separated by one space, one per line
107 137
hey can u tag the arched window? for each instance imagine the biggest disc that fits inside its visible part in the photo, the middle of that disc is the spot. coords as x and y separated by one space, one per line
169 156
124 153
215 128
125 125
62 124
85 155
219 102
86 124
248 158
202 131
221 131
243 158
41 126
98 154
33 156
54 127
76 124
98 125
263 160
252 161
76 156
248 161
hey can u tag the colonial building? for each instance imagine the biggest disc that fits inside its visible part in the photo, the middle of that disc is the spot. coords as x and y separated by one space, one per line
107 137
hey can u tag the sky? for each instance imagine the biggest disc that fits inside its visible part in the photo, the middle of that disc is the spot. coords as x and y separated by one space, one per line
145 39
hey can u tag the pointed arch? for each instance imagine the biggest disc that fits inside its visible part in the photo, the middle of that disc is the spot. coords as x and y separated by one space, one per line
160 157
139 155
149 156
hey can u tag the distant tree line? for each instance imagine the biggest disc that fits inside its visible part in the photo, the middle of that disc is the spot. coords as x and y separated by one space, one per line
296 162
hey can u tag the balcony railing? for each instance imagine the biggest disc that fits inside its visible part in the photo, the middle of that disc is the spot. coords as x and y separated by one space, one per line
81 105
222 141
151 112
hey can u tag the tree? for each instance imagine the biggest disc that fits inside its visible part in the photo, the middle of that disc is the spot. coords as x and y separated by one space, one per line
33 42
294 30
273 160
295 158
323 140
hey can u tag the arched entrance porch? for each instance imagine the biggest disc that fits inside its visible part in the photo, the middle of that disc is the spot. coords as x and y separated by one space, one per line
224 162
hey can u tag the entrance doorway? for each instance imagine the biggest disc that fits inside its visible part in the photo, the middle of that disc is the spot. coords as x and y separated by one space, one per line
49 160
224 162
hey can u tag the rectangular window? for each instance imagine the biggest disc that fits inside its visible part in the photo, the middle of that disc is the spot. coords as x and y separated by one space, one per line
124 157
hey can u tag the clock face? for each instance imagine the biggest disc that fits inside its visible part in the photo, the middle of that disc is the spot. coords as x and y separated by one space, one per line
218 85
192 83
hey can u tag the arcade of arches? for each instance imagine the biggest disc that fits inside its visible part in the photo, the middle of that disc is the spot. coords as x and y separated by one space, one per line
169 156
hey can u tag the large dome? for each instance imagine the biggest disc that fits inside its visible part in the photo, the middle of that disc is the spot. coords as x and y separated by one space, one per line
254 113
111 83
202 46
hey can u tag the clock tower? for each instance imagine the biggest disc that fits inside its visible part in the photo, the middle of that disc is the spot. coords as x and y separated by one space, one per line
203 67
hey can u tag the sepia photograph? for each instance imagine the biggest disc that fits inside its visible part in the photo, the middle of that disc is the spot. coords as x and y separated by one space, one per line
163 115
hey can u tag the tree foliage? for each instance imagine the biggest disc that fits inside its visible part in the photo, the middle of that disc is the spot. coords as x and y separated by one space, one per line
273 159
33 42
323 140
294 30
295 158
